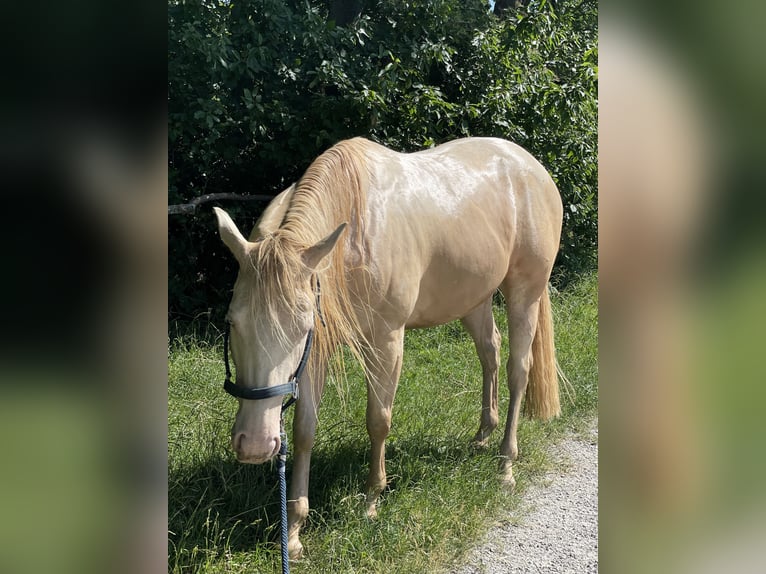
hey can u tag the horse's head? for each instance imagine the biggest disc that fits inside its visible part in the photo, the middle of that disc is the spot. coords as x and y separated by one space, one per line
270 315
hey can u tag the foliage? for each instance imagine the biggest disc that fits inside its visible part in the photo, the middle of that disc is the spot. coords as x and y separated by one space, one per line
223 515
258 89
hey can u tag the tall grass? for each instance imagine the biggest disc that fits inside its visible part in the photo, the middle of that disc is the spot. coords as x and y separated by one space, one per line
224 516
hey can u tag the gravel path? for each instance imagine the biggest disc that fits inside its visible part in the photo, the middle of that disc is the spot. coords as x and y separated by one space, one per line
557 529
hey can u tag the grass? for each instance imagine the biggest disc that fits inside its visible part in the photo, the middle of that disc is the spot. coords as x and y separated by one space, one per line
224 516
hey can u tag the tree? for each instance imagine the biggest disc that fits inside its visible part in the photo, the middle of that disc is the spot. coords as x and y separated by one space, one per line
503 6
258 89
343 12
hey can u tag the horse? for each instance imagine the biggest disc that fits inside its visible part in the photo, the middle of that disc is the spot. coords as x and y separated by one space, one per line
396 241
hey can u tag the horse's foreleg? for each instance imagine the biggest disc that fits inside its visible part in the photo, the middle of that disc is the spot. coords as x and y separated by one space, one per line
304 430
480 324
384 364
522 324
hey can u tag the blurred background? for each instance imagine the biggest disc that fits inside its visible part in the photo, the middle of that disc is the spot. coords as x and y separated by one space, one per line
681 269
83 168
83 152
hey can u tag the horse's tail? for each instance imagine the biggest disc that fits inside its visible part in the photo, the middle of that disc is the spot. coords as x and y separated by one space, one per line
542 398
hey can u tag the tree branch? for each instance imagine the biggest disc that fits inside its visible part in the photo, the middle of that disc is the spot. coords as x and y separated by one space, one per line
191 207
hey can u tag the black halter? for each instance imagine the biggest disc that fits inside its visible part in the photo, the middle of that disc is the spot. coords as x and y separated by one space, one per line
288 388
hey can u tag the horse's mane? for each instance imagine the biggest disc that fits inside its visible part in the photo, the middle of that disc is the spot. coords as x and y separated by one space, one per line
332 191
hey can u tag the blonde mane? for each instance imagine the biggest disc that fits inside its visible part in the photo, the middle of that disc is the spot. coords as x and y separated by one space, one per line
332 191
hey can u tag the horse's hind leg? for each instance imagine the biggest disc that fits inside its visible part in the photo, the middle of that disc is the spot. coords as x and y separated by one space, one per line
480 324
384 365
523 302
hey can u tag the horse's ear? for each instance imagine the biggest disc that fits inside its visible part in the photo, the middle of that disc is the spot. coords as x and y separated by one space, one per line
272 217
230 235
314 255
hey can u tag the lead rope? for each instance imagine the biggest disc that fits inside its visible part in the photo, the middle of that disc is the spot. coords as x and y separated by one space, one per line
282 457
281 464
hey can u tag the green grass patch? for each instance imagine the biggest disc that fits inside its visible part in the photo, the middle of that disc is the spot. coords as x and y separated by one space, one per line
442 495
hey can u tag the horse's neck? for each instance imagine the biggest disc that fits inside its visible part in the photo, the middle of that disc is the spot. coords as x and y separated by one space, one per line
331 192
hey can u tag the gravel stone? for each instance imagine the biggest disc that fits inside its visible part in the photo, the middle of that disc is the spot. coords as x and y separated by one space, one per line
557 529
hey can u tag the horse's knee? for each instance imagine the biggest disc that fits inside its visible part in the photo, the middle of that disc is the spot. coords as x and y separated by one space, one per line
520 365
378 422
518 371
297 512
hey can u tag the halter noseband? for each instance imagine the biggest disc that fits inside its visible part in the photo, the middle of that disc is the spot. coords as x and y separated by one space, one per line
253 394
288 388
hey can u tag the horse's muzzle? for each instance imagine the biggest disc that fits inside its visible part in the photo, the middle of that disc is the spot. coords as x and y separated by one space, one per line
251 451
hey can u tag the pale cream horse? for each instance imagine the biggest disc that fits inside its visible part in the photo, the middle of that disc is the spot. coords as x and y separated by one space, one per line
396 241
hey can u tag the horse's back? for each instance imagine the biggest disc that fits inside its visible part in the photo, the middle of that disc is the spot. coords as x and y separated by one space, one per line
443 185
446 224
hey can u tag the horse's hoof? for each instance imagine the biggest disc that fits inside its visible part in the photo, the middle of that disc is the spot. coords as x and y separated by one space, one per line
508 482
480 444
506 474
294 550
481 438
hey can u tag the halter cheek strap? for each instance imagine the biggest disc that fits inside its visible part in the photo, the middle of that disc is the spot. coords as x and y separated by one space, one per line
253 394
288 388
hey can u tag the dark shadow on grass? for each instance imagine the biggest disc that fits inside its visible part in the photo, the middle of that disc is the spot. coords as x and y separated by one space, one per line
244 499
412 460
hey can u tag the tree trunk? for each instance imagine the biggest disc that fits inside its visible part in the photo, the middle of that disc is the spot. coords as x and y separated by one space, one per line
191 207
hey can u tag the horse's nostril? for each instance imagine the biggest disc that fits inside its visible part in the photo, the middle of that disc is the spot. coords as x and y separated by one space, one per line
277 445
236 442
